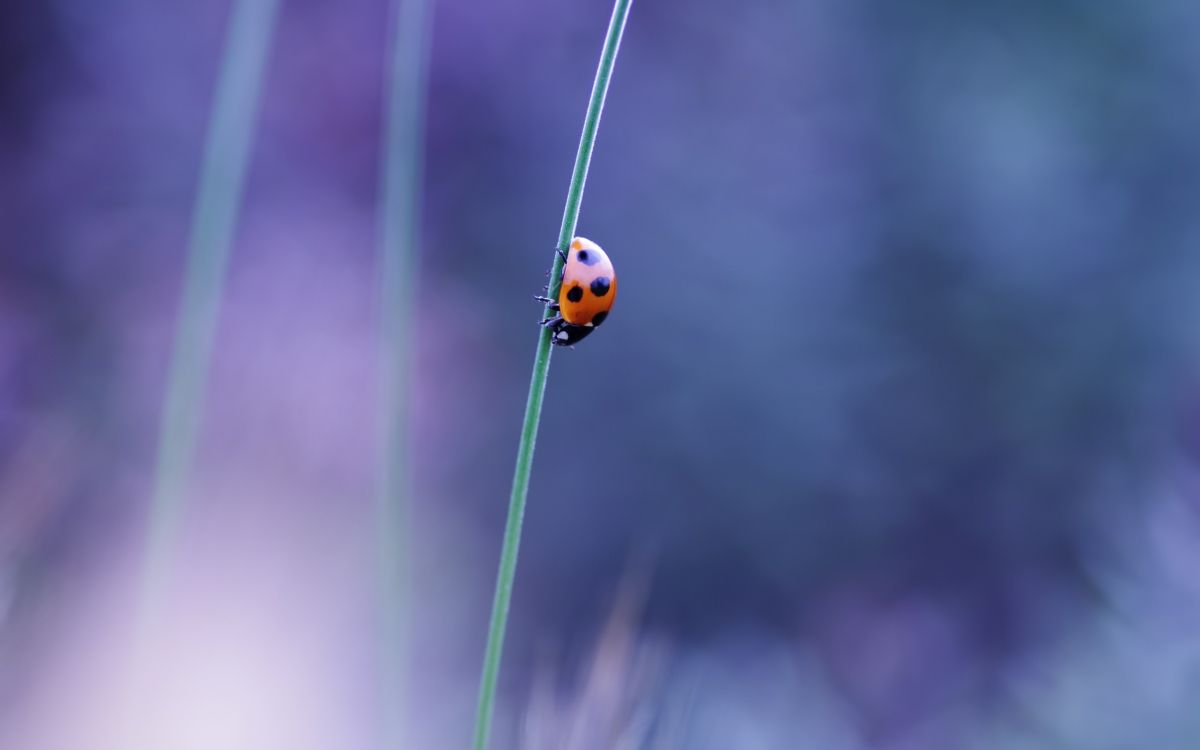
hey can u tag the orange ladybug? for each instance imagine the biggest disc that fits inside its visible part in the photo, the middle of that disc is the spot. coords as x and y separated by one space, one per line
586 294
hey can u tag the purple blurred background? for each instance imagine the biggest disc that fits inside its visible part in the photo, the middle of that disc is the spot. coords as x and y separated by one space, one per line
894 429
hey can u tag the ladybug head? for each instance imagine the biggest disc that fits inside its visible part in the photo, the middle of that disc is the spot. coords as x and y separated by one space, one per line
563 333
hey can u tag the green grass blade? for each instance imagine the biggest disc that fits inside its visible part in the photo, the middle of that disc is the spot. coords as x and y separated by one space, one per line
399 220
537 387
214 216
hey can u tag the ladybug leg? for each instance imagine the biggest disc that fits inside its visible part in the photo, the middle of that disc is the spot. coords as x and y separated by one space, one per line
561 253
552 322
547 300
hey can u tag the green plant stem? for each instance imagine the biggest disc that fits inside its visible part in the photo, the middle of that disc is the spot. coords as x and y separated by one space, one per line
537 386
399 213
214 217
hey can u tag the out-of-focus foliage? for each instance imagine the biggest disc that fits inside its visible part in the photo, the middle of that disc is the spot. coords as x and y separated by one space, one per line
899 397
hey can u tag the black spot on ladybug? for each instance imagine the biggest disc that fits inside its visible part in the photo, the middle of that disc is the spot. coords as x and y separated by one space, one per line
575 293
599 317
586 258
600 286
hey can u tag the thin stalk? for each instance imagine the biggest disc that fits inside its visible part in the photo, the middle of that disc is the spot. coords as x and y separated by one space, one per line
537 386
214 216
399 220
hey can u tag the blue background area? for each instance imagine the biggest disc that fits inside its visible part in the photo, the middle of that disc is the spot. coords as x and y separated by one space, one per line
895 420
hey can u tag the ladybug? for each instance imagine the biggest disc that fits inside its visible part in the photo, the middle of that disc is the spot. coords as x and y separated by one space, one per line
585 295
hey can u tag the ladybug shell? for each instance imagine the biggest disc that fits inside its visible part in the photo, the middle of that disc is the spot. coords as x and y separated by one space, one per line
589 285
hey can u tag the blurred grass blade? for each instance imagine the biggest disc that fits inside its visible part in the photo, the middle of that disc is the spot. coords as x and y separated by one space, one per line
537 386
399 220
214 217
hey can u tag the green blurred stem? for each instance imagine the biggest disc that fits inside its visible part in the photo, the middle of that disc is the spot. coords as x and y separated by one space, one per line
399 212
537 387
214 217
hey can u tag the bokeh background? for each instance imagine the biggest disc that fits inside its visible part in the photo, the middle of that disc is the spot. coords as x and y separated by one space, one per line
891 441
